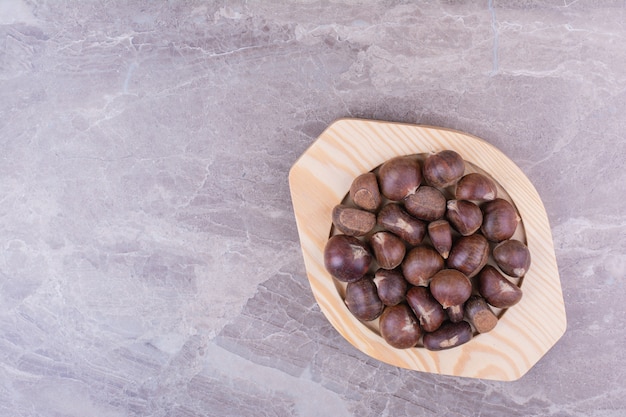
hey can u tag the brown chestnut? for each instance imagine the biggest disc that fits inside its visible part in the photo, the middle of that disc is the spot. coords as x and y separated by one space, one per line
362 299
450 287
388 249
365 193
476 187
399 177
443 169
449 335
391 285
440 235
500 220
393 218
480 315
513 257
464 216
427 203
427 310
420 264
497 289
469 254
456 313
346 258
352 221
399 327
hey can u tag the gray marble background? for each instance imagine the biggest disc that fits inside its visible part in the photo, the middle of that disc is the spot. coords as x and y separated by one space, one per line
149 258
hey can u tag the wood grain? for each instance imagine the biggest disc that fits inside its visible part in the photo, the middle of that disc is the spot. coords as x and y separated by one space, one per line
321 178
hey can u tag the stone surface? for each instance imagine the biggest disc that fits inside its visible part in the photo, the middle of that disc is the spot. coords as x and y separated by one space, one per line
149 258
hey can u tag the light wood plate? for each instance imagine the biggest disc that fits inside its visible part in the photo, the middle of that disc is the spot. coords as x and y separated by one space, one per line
321 178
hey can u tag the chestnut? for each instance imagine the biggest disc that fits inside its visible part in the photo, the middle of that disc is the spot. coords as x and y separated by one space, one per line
391 286
496 289
427 310
443 169
500 220
449 335
441 237
388 249
423 291
365 193
456 313
480 315
451 288
469 254
362 299
346 258
393 218
477 187
399 177
513 257
427 203
464 216
352 221
399 327
420 264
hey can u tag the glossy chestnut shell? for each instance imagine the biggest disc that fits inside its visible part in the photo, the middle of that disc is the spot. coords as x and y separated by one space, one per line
513 257
362 299
399 327
443 168
399 177
500 220
346 258
469 254
420 264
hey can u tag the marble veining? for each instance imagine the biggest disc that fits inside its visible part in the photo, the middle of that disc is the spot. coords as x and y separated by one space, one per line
149 258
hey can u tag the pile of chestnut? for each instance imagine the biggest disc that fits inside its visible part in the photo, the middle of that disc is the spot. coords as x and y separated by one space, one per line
427 249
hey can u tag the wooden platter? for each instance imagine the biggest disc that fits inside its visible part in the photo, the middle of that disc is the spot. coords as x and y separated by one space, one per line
321 178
